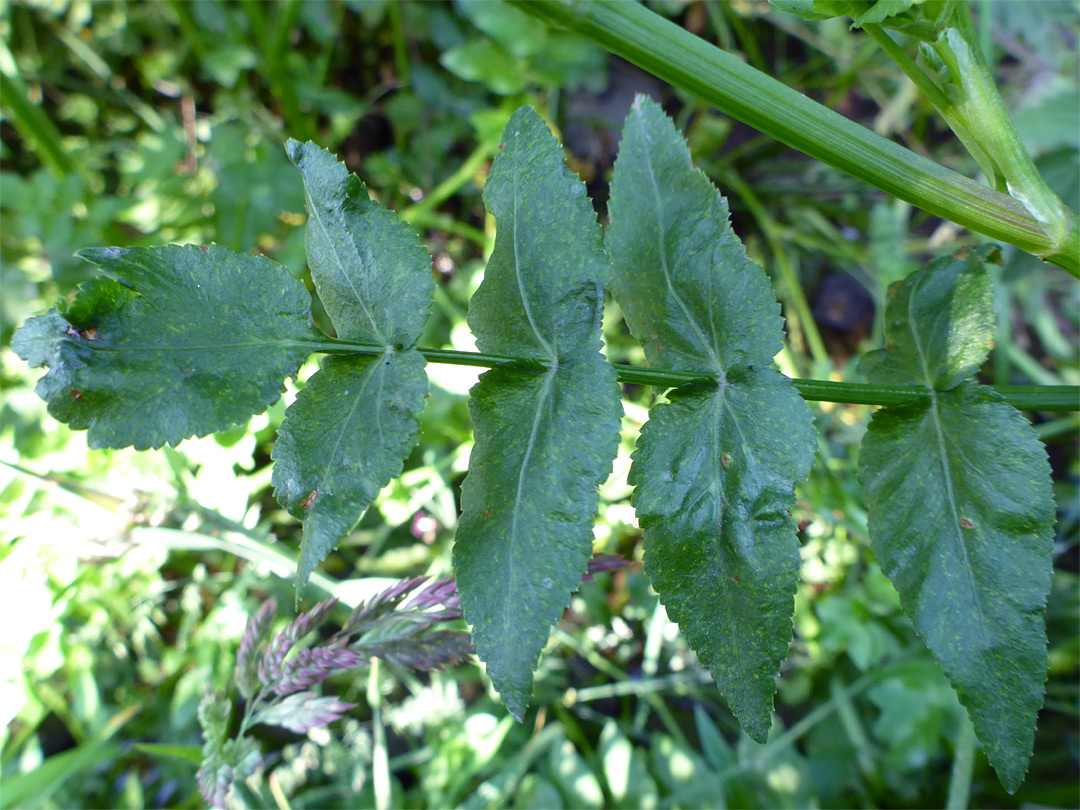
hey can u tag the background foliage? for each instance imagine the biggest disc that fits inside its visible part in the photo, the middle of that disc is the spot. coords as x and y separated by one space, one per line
131 575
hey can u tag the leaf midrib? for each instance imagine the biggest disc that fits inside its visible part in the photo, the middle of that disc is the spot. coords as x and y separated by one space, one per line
548 349
313 210
376 366
720 474
662 243
946 468
512 575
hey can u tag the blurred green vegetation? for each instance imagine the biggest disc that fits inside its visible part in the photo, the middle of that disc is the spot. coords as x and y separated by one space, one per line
126 578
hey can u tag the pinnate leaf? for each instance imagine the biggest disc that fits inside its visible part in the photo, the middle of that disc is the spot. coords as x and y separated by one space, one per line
349 431
961 511
546 432
177 342
343 439
715 470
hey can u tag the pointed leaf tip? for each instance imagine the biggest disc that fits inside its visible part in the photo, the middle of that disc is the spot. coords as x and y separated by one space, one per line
295 150
961 509
715 470
544 439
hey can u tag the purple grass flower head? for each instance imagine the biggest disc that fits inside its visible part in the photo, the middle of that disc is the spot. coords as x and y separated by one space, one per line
439 592
246 672
313 666
406 633
426 651
269 669
310 620
302 711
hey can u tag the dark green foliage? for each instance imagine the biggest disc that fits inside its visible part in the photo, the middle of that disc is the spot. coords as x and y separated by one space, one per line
178 342
715 470
371 272
916 18
961 510
342 441
348 433
545 437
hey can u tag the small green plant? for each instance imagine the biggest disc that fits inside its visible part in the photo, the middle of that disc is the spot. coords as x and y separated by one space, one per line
181 341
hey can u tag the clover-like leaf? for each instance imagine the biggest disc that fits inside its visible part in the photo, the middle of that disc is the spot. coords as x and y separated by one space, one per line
961 512
715 470
547 431
177 342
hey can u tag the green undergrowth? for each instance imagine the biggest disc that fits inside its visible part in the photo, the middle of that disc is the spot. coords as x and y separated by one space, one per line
130 576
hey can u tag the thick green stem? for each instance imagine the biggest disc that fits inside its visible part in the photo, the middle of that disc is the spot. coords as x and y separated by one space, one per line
973 101
1022 397
934 94
677 56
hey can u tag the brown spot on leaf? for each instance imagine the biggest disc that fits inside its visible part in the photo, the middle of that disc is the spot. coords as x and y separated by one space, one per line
309 501
736 579
967 524
90 333
487 514
76 395
203 248
725 459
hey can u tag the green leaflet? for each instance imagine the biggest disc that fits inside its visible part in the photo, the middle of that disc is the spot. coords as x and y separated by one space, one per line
545 436
961 511
715 470
348 433
939 324
372 273
179 342
343 440
924 19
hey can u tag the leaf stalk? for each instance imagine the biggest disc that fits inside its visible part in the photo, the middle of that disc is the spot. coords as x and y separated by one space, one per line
1021 397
